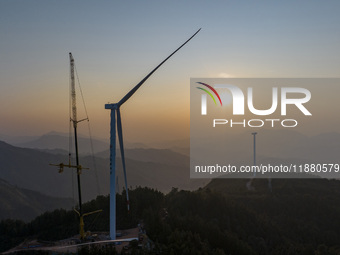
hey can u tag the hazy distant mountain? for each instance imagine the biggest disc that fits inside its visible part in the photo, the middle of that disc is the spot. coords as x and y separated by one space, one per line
277 144
165 156
285 144
155 168
30 169
58 141
181 146
54 151
23 204
16 139
146 154
165 144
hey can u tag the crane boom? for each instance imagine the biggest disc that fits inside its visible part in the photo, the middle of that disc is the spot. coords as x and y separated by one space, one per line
74 120
73 92
79 168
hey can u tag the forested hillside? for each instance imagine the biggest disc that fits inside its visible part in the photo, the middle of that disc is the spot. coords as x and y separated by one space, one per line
296 217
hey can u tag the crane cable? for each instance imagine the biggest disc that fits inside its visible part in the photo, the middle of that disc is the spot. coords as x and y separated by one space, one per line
90 133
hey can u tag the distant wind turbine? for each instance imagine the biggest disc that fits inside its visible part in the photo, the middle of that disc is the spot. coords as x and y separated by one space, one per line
249 183
115 112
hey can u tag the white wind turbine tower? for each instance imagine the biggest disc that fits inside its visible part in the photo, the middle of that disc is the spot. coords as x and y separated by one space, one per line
115 114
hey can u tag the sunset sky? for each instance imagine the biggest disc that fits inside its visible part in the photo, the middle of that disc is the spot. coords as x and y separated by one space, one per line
116 43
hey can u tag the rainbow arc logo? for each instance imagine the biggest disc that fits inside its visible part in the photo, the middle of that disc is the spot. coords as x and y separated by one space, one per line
209 93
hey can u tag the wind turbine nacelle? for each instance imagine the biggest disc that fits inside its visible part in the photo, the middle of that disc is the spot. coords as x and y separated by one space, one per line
111 106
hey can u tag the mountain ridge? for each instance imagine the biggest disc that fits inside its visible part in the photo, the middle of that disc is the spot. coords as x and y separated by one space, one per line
30 169
23 204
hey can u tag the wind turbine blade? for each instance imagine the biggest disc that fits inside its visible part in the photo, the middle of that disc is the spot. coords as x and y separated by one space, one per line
121 146
128 95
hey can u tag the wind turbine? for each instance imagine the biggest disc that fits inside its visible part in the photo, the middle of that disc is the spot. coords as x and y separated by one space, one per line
249 183
115 114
